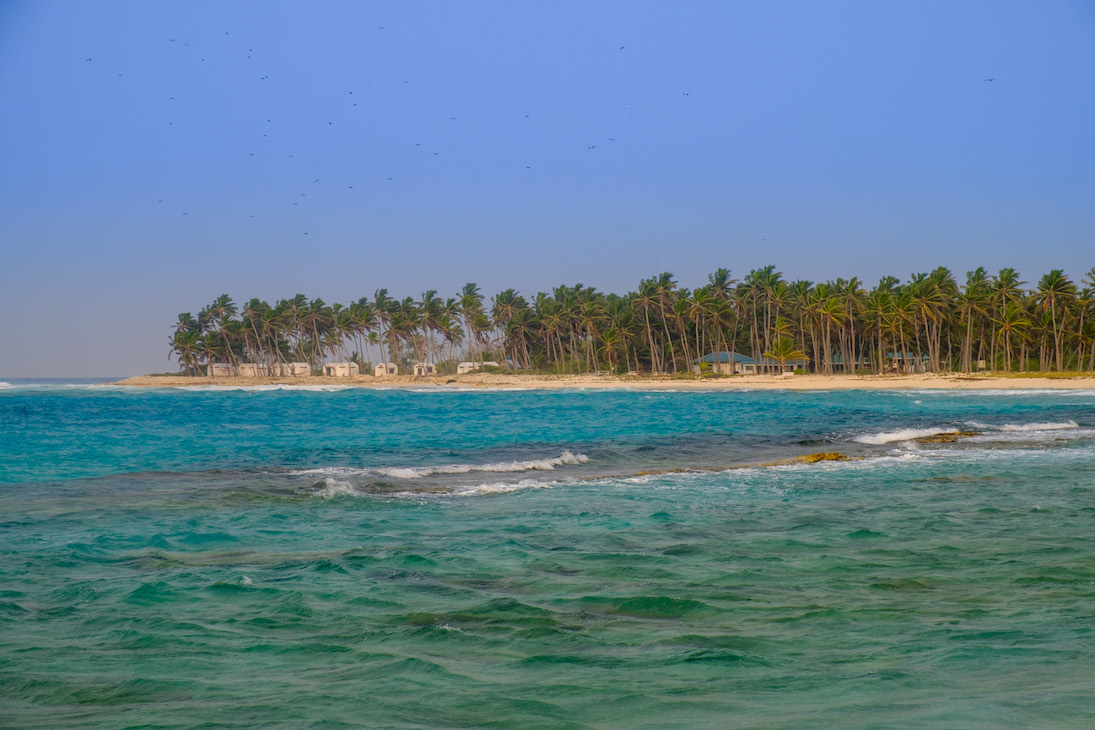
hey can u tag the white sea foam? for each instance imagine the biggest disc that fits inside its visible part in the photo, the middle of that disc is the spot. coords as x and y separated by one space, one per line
989 430
1031 432
37 385
336 488
567 458
1009 392
464 389
905 434
246 582
1049 426
503 487
564 459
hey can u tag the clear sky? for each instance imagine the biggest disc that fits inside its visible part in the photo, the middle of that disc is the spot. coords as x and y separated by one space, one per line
156 155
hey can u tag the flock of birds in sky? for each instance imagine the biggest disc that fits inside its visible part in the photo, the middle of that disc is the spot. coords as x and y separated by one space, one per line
330 123
288 172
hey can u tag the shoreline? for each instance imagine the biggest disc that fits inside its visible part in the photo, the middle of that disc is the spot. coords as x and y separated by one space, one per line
926 381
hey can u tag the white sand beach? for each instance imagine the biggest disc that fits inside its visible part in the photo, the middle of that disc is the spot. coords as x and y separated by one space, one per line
953 381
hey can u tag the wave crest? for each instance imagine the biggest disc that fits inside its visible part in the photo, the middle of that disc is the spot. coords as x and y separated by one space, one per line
567 458
336 488
905 434
1048 426
909 434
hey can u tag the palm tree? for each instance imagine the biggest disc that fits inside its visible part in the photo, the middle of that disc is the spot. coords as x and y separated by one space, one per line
1005 288
1012 325
218 314
784 349
830 312
646 301
612 346
721 287
1086 300
382 305
471 306
877 307
186 345
1055 293
430 312
972 305
661 325
507 304
665 289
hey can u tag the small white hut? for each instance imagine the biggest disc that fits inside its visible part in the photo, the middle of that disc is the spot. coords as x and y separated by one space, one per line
291 369
424 368
253 370
341 369
466 367
386 368
219 370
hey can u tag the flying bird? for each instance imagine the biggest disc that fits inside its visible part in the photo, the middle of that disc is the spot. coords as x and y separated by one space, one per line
992 79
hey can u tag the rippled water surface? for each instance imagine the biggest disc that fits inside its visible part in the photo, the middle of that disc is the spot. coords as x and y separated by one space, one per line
428 558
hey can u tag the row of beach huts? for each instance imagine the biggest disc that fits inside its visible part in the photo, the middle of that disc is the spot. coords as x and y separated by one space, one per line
330 369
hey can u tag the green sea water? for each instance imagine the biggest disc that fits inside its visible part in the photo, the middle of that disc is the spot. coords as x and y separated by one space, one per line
512 559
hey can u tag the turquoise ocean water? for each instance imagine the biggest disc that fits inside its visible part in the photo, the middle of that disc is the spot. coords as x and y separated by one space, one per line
431 558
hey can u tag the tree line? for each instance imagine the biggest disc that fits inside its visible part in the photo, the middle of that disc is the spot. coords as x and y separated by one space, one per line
931 322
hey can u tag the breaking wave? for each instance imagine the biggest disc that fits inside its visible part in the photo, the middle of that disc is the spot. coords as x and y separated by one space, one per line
336 488
567 458
480 490
1049 426
908 434
905 434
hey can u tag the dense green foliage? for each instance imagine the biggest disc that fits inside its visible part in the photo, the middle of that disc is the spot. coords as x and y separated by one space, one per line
939 325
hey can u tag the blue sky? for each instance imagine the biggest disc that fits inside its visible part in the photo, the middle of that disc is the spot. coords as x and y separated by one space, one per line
159 154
